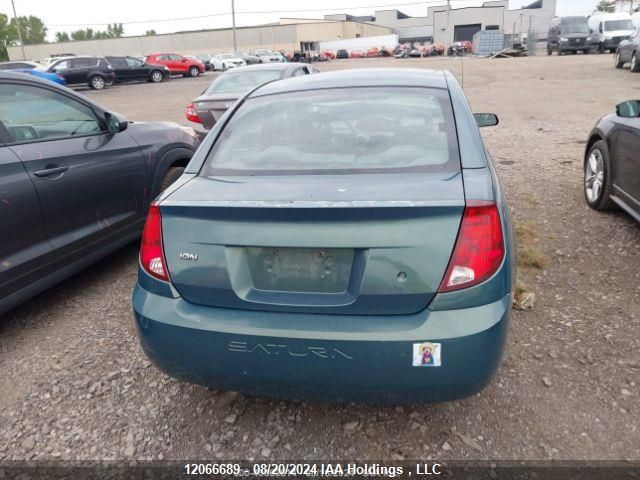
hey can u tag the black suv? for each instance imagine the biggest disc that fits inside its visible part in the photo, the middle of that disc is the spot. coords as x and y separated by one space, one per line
130 68
93 71
342 54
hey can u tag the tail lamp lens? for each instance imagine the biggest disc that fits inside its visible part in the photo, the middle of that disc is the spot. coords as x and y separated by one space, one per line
191 114
151 251
479 248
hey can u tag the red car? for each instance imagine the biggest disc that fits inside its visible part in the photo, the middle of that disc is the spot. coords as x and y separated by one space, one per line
177 64
373 52
357 54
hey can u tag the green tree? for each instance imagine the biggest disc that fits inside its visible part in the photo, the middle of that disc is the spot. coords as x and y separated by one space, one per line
62 37
115 31
82 34
5 37
149 33
33 29
606 6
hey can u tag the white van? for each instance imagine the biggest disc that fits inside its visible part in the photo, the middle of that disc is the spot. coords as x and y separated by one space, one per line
607 30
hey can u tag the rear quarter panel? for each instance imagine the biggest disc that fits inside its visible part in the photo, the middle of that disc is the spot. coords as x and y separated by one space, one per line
161 144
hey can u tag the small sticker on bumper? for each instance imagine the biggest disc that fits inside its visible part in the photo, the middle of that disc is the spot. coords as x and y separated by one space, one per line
427 354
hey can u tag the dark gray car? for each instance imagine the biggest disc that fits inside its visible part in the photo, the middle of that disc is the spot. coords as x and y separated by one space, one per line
611 161
568 34
629 52
75 181
203 112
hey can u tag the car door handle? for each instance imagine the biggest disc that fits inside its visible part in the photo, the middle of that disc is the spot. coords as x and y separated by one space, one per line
47 172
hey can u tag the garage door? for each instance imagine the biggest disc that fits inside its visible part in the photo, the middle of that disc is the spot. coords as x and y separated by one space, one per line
465 32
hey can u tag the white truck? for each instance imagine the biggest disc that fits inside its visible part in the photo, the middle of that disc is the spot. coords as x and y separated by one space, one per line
607 30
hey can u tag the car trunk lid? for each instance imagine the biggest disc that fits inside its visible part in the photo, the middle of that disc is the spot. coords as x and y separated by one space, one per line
211 108
312 243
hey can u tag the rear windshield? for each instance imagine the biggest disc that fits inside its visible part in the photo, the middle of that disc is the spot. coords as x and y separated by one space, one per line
239 82
574 25
339 131
612 25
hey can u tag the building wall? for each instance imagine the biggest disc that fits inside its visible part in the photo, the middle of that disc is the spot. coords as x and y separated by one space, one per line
517 21
356 29
423 31
285 36
389 18
444 22
440 25
362 43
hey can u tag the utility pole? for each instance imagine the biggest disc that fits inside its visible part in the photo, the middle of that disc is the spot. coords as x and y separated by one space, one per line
233 20
448 42
15 15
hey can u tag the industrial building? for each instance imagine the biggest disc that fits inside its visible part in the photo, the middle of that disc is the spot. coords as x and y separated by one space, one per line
442 24
288 34
446 25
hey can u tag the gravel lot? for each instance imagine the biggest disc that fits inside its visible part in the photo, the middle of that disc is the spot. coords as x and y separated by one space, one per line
75 384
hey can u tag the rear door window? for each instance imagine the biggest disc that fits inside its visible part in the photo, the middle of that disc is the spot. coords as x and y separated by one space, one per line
133 62
63 65
118 62
339 131
84 62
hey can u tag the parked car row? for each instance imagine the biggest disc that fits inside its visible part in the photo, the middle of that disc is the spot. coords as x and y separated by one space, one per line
99 72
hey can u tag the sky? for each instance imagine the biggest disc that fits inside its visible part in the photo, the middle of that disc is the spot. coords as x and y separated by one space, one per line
139 16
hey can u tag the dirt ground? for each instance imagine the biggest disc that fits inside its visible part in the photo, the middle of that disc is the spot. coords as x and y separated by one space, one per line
75 384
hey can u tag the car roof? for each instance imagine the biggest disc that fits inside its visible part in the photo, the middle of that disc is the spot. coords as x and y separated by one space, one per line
361 77
79 57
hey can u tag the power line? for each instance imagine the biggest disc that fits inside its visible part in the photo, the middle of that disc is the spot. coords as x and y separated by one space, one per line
258 12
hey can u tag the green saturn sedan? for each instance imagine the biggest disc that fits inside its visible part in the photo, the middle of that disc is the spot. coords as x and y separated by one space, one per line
337 237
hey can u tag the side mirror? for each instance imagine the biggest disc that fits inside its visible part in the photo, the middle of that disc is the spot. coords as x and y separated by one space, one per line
629 109
115 123
184 60
486 119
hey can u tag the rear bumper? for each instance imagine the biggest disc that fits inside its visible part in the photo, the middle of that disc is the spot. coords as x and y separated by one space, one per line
200 130
332 358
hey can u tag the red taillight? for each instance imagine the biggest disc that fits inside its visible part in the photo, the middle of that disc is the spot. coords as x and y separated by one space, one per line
151 252
191 114
479 248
